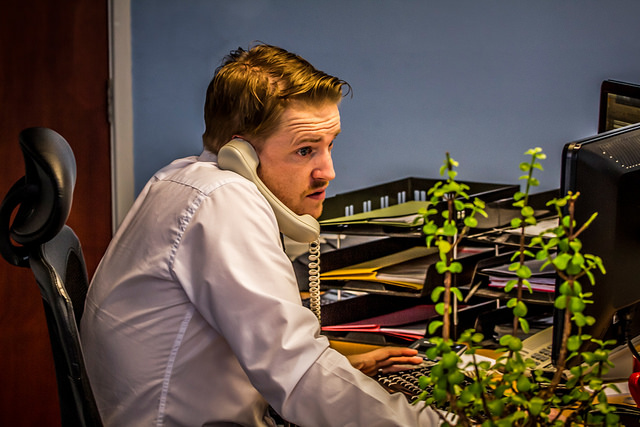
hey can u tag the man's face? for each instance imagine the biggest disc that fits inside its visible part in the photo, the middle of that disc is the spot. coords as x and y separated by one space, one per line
295 161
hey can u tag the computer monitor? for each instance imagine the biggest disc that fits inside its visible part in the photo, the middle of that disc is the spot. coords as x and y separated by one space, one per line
619 105
605 170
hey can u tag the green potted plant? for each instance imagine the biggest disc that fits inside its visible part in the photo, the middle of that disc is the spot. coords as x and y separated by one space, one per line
508 391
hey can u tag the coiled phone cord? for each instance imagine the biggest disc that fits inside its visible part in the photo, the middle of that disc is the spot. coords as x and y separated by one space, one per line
314 278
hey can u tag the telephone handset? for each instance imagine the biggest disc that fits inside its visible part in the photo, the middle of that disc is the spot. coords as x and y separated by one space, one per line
239 156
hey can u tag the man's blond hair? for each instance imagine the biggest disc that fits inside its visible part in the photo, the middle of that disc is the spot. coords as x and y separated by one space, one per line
251 89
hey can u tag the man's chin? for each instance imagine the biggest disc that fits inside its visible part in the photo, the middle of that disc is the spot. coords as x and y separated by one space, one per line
313 212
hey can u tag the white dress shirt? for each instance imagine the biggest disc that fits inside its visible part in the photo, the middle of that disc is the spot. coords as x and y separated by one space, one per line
194 318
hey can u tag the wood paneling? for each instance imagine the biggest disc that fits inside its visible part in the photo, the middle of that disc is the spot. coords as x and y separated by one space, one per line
54 73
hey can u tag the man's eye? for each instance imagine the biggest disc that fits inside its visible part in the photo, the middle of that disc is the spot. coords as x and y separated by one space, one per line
305 151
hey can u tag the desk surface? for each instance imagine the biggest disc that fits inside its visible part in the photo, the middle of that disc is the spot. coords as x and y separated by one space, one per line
621 398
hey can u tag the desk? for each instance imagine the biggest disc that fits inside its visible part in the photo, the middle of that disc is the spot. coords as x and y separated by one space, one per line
622 398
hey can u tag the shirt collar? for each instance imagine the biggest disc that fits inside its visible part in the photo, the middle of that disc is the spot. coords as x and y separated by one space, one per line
207 156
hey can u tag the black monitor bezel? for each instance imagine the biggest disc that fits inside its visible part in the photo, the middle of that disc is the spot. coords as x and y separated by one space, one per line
615 87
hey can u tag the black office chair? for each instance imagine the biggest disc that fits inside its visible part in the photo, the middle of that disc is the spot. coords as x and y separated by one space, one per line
39 239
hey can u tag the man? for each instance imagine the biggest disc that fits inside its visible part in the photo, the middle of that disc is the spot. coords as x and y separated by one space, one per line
194 317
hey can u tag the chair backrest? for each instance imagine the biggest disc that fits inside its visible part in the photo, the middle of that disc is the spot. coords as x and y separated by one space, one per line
38 238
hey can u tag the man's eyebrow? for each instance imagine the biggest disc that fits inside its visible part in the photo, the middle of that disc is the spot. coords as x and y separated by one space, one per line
312 139
309 139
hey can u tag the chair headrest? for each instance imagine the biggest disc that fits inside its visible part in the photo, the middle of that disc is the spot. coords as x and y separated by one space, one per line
43 196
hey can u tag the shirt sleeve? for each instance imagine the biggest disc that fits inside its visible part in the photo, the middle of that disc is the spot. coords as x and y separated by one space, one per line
333 393
233 268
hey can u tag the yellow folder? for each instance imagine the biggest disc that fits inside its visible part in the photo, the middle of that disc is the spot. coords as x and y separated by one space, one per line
381 269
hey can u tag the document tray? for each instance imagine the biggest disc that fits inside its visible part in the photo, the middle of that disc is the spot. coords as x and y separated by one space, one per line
370 252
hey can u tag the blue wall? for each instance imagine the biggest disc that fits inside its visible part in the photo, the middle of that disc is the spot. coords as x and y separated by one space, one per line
484 80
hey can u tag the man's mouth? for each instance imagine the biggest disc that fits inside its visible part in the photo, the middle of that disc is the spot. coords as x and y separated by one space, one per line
320 191
318 195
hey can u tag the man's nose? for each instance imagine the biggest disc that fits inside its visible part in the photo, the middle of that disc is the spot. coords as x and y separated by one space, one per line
324 169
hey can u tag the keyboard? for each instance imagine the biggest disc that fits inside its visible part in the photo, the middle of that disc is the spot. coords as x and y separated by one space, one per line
536 347
405 382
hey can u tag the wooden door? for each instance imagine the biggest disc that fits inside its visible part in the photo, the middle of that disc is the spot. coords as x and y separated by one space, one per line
54 73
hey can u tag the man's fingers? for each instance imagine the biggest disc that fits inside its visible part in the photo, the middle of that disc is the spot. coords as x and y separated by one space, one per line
412 360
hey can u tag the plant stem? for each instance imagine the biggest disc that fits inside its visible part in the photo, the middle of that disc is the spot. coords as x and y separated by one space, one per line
562 356
446 321
520 285
566 331
523 240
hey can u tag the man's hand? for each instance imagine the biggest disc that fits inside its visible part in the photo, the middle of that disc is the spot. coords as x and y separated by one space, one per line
385 360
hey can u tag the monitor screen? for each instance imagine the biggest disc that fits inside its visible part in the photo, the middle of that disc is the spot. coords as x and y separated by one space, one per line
605 170
619 105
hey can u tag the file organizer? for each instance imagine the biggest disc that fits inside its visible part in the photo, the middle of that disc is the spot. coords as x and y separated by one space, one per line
382 298
370 199
371 305
356 254
479 288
